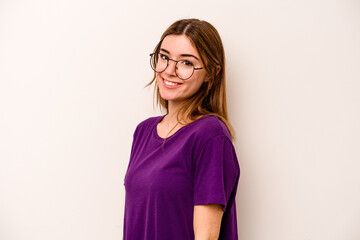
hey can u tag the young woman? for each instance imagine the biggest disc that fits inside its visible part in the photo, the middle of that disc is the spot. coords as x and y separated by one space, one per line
183 171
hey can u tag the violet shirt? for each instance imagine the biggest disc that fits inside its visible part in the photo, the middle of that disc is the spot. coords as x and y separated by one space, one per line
196 165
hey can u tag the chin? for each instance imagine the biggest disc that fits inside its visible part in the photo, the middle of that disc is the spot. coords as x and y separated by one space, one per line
169 97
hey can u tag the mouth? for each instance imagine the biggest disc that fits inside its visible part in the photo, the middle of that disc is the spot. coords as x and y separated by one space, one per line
170 84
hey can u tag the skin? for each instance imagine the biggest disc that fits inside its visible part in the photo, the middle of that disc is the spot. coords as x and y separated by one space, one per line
207 218
174 46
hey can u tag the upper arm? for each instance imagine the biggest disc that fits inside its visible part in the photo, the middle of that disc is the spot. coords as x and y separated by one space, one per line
216 172
207 221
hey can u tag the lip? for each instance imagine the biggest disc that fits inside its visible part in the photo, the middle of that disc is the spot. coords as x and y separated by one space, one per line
168 86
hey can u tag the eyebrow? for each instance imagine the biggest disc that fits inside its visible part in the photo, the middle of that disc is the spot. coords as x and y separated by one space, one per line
182 55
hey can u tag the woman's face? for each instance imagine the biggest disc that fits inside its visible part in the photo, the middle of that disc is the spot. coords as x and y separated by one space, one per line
171 87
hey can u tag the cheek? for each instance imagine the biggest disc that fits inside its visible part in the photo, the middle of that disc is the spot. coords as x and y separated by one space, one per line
197 81
158 78
194 88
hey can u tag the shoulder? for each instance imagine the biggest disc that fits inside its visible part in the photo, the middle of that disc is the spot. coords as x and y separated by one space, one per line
210 126
213 141
147 124
150 121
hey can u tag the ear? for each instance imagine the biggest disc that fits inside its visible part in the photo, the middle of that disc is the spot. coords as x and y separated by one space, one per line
218 68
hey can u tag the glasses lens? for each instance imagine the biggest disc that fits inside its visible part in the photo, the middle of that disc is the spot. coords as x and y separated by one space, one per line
158 62
184 69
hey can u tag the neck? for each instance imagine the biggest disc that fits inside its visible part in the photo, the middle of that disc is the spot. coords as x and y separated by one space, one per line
173 109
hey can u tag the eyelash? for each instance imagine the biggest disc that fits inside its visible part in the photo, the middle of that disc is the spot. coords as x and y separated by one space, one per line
188 62
163 56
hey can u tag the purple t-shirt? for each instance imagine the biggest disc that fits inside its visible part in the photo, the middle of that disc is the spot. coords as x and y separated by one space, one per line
196 165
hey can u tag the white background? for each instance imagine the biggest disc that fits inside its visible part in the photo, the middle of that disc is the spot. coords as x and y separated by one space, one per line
72 77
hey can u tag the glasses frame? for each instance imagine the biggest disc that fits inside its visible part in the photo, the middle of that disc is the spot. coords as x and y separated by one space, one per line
176 62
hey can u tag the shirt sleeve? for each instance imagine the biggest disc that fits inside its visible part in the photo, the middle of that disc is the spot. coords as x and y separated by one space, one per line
216 173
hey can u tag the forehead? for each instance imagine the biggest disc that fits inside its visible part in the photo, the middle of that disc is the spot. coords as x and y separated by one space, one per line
179 44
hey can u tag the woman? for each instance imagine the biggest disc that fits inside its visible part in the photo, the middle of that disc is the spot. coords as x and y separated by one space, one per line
183 171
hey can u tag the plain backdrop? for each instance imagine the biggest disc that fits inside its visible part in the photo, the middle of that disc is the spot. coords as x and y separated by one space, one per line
72 77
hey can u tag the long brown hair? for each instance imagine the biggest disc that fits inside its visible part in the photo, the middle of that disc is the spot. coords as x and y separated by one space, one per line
211 97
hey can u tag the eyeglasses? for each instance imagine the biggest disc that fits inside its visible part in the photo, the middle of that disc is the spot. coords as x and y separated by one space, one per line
184 69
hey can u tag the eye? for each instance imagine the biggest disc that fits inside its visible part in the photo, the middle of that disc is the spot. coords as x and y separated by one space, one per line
164 57
187 63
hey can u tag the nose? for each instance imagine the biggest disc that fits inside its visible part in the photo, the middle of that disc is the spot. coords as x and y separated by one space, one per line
170 70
